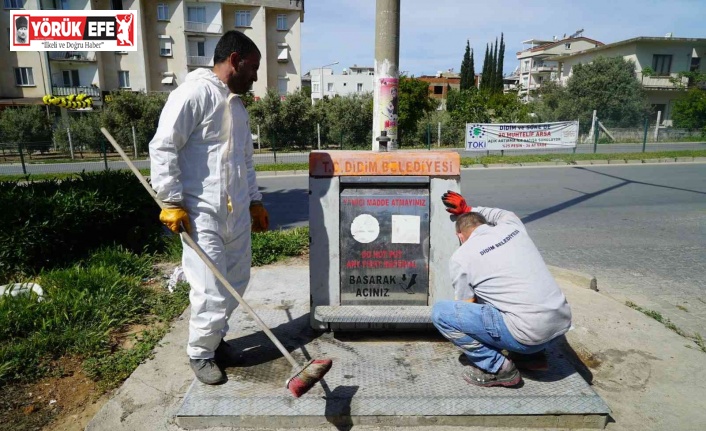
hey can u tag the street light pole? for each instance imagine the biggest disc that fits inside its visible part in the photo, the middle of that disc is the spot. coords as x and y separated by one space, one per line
321 78
387 57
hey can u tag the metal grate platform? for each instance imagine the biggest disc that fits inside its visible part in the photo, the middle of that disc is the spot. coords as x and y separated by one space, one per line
379 380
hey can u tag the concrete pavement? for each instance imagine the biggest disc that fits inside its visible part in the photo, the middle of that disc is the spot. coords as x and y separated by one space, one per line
651 378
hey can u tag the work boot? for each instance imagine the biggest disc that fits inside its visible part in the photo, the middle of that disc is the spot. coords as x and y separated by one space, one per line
506 376
227 355
207 371
532 362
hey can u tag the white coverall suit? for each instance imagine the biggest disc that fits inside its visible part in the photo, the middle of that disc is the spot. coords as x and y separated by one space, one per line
201 156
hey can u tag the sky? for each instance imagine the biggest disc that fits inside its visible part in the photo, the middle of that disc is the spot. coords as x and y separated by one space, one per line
433 33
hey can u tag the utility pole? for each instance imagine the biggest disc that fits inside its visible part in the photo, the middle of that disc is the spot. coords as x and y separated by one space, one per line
387 57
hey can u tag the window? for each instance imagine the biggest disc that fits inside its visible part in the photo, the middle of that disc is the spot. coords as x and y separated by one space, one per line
13 4
23 76
201 49
196 14
163 12
662 64
242 18
567 46
71 78
315 87
282 52
329 86
165 46
282 86
281 22
116 4
359 87
123 79
438 89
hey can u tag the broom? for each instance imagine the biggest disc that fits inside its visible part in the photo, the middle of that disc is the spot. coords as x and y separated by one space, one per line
304 377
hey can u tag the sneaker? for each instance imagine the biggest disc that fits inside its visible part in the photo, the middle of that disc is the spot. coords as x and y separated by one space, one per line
226 355
207 371
532 362
478 377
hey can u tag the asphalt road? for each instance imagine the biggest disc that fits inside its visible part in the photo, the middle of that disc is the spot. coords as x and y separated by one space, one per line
303 157
641 230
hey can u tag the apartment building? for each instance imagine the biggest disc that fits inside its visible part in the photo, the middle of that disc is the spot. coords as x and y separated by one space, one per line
355 79
173 38
538 61
658 62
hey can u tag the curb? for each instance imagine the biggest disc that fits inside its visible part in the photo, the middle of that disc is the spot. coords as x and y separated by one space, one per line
581 279
683 160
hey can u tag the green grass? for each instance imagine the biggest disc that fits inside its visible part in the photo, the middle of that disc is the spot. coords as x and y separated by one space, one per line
465 161
269 247
696 338
302 166
570 158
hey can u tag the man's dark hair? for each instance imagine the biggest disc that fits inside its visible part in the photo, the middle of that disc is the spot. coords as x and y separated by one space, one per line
466 220
233 41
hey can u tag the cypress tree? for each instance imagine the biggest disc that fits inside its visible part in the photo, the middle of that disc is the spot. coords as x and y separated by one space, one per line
472 72
501 55
493 85
465 66
485 75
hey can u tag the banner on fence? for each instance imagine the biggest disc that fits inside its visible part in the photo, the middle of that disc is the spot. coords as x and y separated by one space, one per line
521 136
73 31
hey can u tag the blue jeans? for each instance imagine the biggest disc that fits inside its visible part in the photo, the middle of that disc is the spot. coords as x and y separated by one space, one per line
479 331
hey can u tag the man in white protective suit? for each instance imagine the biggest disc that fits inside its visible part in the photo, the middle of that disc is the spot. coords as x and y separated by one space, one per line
202 169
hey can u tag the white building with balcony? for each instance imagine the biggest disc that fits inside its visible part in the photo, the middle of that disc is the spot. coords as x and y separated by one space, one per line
658 62
173 37
538 61
355 79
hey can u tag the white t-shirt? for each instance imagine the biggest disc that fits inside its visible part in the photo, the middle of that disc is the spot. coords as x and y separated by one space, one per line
501 266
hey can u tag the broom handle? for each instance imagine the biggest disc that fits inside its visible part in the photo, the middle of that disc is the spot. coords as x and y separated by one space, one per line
207 260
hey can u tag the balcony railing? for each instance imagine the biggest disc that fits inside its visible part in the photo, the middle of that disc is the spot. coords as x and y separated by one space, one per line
198 60
67 91
72 55
664 82
203 27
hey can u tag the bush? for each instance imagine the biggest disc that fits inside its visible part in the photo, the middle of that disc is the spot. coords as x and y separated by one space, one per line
52 224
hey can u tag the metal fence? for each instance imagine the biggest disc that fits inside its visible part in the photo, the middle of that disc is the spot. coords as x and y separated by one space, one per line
46 157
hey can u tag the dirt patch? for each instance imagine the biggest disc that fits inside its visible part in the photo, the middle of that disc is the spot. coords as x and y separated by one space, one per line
63 402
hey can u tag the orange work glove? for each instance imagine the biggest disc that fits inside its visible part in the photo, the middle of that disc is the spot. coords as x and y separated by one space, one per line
455 203
260 218
175 217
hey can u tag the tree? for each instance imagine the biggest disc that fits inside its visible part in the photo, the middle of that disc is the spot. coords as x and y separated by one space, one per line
500 61
690 111
85 132
26 125
414 104
607 85
124 109
350 120
472 72
485 74
466 69
492 85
